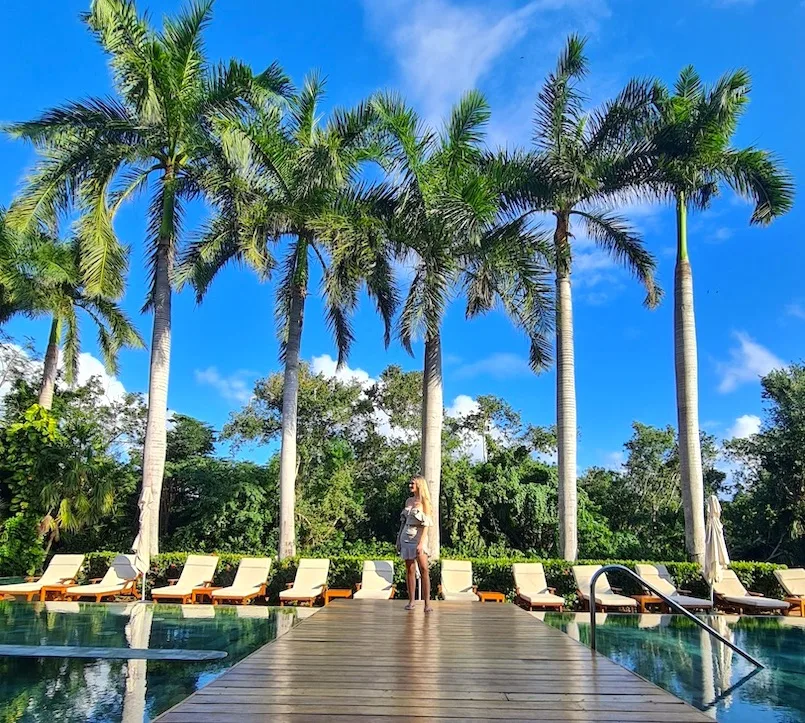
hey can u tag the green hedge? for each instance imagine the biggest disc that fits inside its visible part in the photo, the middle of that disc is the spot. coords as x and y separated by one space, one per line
489 573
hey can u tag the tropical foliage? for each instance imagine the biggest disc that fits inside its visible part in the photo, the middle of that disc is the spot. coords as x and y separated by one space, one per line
375 201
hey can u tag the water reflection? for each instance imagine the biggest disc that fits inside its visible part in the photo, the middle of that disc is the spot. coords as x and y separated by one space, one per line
682 658
101 691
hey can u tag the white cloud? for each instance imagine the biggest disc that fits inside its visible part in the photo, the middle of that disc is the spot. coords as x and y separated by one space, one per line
500 365
748 362
721 234
88 367
615 460
233 388
796 310
745 426
15 360
328 367
463 405
443 49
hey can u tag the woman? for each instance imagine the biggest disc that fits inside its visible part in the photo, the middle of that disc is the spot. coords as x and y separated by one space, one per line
411 539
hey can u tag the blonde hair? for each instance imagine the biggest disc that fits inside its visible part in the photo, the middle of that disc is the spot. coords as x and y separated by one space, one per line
423 490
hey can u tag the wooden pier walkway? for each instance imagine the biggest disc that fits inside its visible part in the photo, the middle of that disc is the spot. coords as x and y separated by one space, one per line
373 660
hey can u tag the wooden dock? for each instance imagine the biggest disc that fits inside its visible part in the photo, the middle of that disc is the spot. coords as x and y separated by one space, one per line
465 661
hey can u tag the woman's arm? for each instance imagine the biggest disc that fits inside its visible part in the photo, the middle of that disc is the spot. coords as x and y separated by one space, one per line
399 534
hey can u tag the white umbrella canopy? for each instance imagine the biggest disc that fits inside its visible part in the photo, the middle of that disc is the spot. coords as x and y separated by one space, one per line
142 543
716 557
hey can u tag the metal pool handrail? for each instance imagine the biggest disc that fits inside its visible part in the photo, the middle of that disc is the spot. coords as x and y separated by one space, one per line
668 601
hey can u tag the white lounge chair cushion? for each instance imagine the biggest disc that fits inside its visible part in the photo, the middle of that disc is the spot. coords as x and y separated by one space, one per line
691 602
541 598
251 575
120 573
603 590
311 577
756 602
457 581
198 570
613 600
658 576
460 596
792 580
377 580
61 567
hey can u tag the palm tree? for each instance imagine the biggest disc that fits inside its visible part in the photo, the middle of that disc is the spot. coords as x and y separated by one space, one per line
452 233
693 139
42 278
293 177
154 138
582 165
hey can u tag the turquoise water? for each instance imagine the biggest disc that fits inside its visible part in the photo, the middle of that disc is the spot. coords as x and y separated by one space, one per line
132 691
677 655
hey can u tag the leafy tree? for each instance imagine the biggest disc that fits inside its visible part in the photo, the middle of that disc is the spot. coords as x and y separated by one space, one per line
292 176
693 139
156 136
583 164
42 277
450 228
766 519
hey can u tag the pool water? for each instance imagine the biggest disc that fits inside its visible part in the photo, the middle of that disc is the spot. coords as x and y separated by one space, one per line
112 690
679 656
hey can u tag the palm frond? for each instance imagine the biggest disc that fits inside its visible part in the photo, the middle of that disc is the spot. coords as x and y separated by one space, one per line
613 234
758 175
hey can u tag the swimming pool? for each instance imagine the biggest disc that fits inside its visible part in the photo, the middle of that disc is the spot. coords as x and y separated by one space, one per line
106 690
679 656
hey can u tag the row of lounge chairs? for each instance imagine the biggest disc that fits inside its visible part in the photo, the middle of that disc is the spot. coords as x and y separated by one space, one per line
377 583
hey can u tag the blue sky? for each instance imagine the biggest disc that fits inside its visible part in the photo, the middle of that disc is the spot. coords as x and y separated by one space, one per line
749 292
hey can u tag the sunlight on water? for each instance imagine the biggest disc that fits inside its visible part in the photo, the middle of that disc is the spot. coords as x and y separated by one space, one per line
682 658
101 691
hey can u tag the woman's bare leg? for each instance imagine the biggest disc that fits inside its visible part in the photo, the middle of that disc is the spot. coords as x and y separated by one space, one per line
424 571
410 578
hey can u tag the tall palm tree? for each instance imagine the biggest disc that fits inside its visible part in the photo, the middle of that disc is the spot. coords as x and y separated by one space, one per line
42 278
693 139
293 177
154 138
453 234
583 164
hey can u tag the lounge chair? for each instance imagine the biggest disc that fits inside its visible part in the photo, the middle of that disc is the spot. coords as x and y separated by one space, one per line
457 581
532 589
120 579
660 578
249 583
793 582
731 593
309 584
198 571
377 581
605 596
61 571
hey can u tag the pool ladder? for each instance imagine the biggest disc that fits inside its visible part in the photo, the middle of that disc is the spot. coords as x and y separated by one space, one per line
668 601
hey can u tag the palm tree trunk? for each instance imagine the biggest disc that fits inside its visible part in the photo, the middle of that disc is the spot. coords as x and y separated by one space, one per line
290 396
51 366
565 395
156 425
432 419
687 393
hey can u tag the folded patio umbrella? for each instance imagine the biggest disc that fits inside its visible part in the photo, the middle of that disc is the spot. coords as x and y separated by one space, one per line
142 543
716 557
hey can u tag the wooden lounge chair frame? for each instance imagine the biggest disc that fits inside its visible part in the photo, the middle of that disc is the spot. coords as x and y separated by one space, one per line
242 599
29 596
185 599
528 605
128 588
306 600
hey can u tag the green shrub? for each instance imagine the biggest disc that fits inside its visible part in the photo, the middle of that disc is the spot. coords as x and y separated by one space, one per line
488 573
21 551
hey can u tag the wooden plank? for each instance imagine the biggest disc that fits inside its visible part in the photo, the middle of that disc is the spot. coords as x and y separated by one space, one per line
372 660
